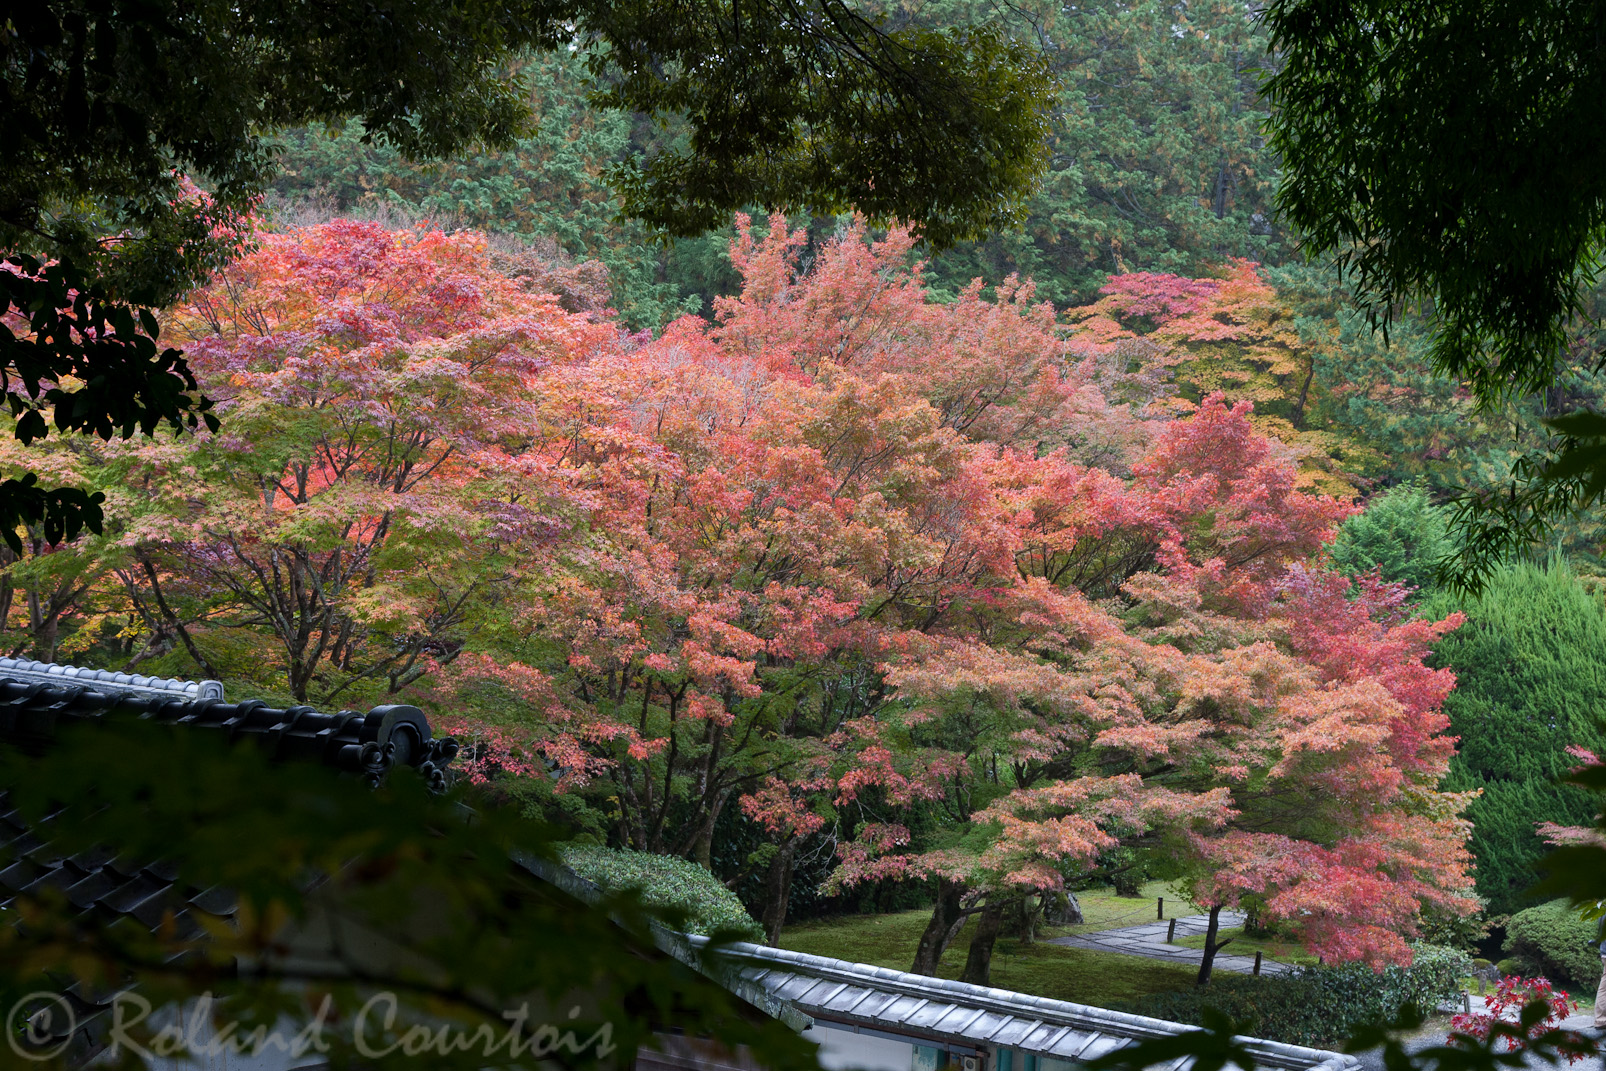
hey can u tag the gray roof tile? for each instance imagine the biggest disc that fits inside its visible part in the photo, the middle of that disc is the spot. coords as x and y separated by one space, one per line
956 1012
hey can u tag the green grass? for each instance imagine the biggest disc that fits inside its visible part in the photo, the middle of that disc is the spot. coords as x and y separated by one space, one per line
1098 978
1277 948
1102 909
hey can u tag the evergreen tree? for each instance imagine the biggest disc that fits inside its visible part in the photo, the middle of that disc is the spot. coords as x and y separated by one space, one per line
1158 160
1402 534
1529 685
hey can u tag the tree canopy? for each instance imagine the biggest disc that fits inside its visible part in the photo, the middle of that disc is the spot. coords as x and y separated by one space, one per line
1447 154
107 110
844 557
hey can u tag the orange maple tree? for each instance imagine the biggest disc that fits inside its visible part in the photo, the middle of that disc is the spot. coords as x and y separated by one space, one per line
842 558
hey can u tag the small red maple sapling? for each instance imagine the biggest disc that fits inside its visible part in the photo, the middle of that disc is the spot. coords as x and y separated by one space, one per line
1503 1016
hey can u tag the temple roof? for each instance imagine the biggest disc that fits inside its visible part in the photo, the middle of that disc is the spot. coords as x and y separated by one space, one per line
887 1001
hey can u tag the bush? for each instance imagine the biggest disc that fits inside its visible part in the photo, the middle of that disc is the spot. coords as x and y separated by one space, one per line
1318 1005
675 885
1553 940
1402 534
1528 685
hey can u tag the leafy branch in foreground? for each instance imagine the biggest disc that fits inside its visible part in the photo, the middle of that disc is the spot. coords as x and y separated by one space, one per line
1543 488
92 364
324 879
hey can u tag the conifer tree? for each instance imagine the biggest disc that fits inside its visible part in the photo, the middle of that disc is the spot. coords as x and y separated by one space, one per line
1402 534
1529 685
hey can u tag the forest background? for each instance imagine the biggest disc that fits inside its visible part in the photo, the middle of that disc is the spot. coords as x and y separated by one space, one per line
833 589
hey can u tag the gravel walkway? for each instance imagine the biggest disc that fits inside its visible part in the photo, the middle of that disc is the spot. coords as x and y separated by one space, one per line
1149 940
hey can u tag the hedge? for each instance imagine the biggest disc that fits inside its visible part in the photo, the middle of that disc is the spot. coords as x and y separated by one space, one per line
682 888
1528 684
1320 1006
1553 940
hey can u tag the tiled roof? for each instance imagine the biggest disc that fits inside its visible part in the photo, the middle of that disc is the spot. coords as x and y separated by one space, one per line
98 882
901 1003
25 669
366 744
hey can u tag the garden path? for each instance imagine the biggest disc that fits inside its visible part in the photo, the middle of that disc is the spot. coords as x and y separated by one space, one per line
1149 939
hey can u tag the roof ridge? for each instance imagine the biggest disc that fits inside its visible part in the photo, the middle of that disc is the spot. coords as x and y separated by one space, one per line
27 669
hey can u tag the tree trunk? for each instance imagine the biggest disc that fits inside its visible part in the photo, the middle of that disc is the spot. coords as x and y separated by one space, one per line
702 851
979 964
777 890
1211 946
173 621
946 917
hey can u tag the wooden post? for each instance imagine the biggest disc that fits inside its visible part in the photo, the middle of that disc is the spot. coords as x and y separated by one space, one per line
1171 932
1159 908
1257 962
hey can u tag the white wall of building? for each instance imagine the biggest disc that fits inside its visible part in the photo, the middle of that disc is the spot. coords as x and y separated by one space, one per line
844 1050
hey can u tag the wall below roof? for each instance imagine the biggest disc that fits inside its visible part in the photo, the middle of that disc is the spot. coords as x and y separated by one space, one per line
842 1049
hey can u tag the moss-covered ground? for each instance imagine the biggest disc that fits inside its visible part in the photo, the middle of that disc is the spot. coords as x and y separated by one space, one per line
1098 978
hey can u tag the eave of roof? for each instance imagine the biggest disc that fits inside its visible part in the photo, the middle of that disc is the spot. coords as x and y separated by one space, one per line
105 885
892 1001
367 744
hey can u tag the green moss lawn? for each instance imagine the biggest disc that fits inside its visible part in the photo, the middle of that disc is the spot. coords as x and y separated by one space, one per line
1099 978
1278 948
1102 909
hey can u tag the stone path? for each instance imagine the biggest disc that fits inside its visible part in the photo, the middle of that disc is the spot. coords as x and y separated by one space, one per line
1149 940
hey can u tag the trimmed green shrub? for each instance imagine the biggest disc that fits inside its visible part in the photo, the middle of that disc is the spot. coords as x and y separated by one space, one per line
1553 940
1528 684
1318 1005
1401 533
669 884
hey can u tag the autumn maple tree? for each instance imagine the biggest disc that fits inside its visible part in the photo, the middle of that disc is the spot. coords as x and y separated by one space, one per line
938 581
365 504
1219 707
1232 333
854 555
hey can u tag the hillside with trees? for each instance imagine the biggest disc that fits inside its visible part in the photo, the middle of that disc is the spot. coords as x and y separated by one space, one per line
1075 534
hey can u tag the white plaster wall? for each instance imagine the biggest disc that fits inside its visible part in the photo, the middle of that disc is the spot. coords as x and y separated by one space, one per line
843 1050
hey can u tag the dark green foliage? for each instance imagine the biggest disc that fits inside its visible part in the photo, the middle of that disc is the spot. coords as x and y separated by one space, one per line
1447 152
1447 149
1530 683
1402 534
815 107
547 187
493 935
667 884
1158 163
1317 1005
1552 940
